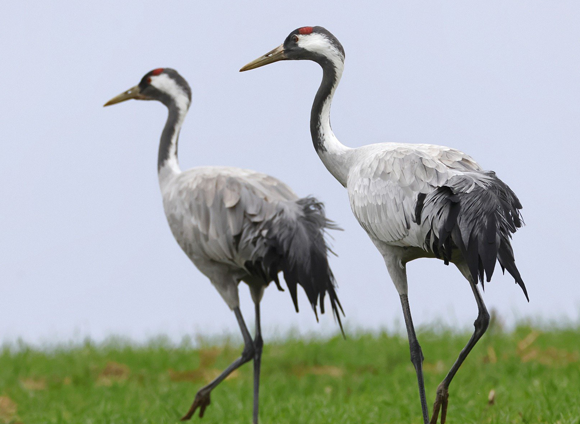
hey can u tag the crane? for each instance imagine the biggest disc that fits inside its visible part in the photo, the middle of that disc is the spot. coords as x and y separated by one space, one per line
414 201
237 225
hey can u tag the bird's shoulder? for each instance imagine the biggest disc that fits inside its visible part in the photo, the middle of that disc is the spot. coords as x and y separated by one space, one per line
385 180
417 166
228 182
224 200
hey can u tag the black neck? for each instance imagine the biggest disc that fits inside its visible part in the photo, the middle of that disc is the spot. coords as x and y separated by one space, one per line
329 80
170 135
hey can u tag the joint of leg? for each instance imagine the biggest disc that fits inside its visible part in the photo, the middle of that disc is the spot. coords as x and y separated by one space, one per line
442 389
248 352
416 354
258 344
203 392
482 322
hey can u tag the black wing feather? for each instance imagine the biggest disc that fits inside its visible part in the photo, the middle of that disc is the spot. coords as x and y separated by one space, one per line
297 247
476 213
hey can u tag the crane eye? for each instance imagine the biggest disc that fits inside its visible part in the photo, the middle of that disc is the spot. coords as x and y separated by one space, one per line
296 38
148 80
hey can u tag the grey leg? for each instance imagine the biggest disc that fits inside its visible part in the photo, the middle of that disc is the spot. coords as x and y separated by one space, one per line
202 399
480 324
258 345
416 355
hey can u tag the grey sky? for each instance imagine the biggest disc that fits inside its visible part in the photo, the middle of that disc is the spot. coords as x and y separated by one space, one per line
84 245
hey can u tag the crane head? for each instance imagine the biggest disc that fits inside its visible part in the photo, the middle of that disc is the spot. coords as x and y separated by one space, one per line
305 43
161 84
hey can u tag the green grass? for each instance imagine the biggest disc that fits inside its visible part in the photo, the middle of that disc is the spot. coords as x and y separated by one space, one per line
365 379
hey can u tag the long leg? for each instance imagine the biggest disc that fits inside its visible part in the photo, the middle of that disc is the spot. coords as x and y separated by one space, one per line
480 324
258 345
202 398
398 272
416 355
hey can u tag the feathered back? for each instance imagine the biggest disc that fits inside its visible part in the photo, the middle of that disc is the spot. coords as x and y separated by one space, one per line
477 212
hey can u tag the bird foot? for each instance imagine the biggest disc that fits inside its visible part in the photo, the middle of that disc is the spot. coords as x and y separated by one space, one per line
440 404
201 401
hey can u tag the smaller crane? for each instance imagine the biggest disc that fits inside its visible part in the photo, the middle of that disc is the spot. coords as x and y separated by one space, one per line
237 225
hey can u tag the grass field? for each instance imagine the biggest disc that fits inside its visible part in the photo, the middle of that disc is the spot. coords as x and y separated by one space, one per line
534 374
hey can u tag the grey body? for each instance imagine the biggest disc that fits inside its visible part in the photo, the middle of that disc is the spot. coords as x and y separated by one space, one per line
219 214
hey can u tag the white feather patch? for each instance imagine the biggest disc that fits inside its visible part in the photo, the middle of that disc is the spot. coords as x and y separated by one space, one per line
320 44
167 85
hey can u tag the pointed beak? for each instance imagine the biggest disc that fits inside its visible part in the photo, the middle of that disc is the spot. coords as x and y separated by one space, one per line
272 56
132 93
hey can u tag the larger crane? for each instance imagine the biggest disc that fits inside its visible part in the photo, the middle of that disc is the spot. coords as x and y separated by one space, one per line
413 200
237 225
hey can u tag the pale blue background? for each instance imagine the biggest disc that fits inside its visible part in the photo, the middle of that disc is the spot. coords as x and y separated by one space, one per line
84 246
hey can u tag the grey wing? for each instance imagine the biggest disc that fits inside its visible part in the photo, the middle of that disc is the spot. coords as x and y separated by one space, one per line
215 212
384 188
256 225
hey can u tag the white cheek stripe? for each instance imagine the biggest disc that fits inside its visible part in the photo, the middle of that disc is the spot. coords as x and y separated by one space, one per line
318 43
164 83
167 85
335 153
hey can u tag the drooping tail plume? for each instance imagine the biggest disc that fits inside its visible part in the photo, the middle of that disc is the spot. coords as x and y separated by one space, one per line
297 246
478 213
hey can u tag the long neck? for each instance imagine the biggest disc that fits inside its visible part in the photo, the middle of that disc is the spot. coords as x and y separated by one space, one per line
167 159
331 151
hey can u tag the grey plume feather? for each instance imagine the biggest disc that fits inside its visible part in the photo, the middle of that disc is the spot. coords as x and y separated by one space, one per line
296 245
477 213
